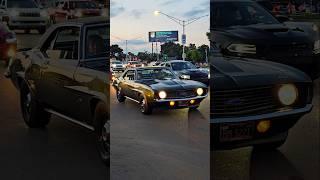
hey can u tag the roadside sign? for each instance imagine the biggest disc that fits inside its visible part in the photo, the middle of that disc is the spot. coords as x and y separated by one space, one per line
163 36
184 39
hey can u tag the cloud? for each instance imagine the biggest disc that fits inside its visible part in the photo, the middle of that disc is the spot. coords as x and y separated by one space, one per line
116 9
137 13
136 42
169 2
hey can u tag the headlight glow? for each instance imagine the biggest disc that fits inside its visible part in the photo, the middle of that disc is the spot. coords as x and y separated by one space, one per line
78 14
200 91
242 48
162 94
184 76
287 94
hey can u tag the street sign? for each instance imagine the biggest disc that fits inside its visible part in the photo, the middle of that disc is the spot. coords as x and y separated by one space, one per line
184 39
163 36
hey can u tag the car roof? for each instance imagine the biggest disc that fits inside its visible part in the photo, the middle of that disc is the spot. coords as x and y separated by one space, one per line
177 61
88 21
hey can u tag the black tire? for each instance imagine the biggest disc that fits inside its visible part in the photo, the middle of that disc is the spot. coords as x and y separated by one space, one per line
270 146
33 113
42 30
120 96
145 107
102 132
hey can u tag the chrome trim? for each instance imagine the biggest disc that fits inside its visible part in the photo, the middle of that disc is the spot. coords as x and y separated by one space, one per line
132 99
70 119
306 109
182 99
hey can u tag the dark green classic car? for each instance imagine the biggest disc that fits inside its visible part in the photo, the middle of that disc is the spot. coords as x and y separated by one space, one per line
66 74
159 87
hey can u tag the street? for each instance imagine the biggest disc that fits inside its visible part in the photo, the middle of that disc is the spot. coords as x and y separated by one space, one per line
165 145
61 151
297 159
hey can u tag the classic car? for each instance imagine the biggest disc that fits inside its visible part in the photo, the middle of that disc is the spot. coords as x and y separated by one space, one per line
246 29
159 87
188 71
255 102
8 43
23 14
68 78
134 64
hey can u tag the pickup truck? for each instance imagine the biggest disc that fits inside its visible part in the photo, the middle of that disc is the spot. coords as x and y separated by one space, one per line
66 74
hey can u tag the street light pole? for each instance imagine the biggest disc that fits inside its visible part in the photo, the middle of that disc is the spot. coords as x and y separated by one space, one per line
183 23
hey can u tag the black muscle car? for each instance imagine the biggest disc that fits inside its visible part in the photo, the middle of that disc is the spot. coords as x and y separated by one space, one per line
255 102
66 74
187 71
243 28
154 87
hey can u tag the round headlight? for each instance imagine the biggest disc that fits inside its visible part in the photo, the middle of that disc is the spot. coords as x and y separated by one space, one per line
162 94
288 94
200 91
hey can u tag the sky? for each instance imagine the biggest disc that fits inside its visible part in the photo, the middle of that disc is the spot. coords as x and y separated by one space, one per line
132 20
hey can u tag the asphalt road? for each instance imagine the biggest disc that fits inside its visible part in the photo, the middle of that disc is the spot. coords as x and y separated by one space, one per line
165 145
62 151
297 159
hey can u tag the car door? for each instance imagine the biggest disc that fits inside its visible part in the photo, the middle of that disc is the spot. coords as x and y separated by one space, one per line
127 83
60 56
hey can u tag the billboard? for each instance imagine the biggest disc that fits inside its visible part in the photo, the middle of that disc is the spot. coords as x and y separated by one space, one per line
163 36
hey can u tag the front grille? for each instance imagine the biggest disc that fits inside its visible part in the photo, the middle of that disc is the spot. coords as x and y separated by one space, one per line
181 94
29 14
233 103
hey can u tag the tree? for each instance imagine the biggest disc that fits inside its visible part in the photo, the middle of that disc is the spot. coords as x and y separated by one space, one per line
195 56
116 51
172 50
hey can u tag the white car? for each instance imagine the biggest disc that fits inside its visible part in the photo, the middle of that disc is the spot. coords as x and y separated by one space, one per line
117 66
23 14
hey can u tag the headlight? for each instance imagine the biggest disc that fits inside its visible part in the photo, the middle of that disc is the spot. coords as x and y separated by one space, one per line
316 48
200 91
123 65
113 65
11 52
44 13
14 13
288 94
209 76
242 48
162 94
142 65
184 76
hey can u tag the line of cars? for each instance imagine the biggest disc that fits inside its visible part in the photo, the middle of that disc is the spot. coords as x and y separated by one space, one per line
28 14
256 93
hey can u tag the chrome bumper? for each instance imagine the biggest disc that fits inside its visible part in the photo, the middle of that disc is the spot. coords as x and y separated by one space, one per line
306 109
182 99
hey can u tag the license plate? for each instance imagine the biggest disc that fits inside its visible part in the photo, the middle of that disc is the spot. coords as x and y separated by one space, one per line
236 132
183 103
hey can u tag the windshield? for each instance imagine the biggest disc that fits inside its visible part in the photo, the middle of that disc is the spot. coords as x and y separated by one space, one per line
21 4
179 66
84 5
228 14
160 74
97 42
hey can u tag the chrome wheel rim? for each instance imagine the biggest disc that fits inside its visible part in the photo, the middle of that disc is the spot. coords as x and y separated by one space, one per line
142 105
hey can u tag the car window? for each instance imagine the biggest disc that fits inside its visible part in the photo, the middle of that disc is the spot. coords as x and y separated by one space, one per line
158 73
179 66
63 44
97 42
21 4
130 75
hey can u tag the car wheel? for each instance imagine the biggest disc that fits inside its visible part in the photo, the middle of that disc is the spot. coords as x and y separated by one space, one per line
120 96
145 108
272 145
42 30
102 131
33 113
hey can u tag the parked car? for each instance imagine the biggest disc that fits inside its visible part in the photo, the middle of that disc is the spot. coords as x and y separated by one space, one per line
63 10
23 14
244 28
255 102
68 78
188 71
159 87
8 43
117 66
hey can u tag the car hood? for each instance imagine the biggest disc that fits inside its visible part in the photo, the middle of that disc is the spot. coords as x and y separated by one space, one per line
279 33
173 84
235 73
